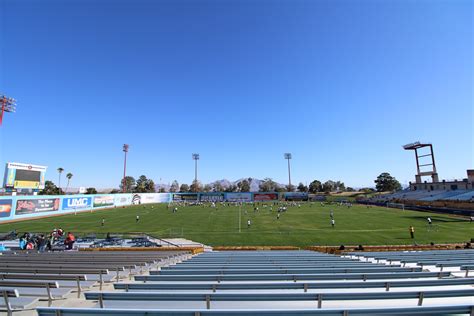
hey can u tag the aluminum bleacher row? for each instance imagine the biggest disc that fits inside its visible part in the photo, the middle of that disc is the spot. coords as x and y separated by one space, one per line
26 278
285 283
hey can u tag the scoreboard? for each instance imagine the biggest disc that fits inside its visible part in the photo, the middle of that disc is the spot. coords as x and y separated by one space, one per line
24 176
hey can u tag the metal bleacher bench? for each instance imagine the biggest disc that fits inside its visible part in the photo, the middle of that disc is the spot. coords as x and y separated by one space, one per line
419 310
285 271
292 277
292 285
54 277
46 285
317 297
12 301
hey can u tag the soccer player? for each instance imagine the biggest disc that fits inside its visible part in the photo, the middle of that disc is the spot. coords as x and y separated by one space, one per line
248 223
412 232
429 221
333 222
137 219
278 215
103 222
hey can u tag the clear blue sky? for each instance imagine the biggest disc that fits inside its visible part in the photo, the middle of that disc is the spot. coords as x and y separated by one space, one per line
339 84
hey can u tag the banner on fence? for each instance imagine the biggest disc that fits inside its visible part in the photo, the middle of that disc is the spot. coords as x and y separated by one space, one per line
30 206
211 197
77 203
5 208
239 197
265 196
104 201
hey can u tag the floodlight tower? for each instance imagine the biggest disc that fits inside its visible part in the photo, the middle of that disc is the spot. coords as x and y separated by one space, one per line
125 150
288 157
195 158
8 105
431 163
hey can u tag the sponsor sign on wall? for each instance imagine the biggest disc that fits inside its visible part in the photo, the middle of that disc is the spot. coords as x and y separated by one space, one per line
296 196
147 198
239 197
122 199
265 196
103 201
185 197
77 203
36 206
5 208
211 197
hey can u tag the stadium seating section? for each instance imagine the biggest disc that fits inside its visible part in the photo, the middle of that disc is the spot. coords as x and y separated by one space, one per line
239 283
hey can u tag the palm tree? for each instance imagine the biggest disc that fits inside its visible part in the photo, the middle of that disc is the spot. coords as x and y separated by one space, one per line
68 176
60 170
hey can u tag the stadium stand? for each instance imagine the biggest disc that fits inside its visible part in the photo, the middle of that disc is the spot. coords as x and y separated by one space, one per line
26 278
290 283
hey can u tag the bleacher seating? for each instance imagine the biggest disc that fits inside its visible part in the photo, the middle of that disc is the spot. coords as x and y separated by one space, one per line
26 278
290 283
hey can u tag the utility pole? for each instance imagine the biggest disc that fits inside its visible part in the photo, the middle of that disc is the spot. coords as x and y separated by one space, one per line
125 150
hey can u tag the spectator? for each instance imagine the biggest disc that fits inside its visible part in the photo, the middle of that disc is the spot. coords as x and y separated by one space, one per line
69 242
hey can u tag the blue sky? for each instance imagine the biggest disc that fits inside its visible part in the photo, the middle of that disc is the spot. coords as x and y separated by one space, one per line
339 84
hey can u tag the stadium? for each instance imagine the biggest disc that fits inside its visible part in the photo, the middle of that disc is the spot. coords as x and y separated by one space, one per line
265 92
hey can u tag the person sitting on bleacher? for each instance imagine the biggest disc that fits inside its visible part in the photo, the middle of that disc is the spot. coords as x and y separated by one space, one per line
70 240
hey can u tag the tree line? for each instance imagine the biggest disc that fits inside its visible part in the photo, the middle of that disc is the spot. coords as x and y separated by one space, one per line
384 182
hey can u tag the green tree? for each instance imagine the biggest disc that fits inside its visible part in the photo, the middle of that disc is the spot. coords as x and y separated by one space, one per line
144 185
290 188
302 187
385 182
91 191
339 186
231 188
162 190
244 186
268 185
174 186
129 184
207 188
68 176
196 186
350 189
329 186
315 187
218 187
50 189
184 188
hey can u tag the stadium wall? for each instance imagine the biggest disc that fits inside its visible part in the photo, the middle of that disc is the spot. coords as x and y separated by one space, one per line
26 207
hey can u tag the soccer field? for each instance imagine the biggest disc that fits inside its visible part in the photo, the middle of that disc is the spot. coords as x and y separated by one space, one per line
299 226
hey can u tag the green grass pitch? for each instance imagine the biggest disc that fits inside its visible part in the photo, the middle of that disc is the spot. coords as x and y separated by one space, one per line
299 226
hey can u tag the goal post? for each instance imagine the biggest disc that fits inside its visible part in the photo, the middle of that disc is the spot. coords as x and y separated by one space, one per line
396 205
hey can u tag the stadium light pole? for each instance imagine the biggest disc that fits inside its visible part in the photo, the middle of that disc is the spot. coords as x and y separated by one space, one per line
125 150
195 158
8 105
288 157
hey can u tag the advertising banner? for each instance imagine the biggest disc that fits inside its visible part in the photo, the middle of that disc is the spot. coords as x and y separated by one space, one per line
211 197
239 197
122 199
77 203
5 207
104 201
265 196
316 197
185 197
147 198
296 196
36 206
